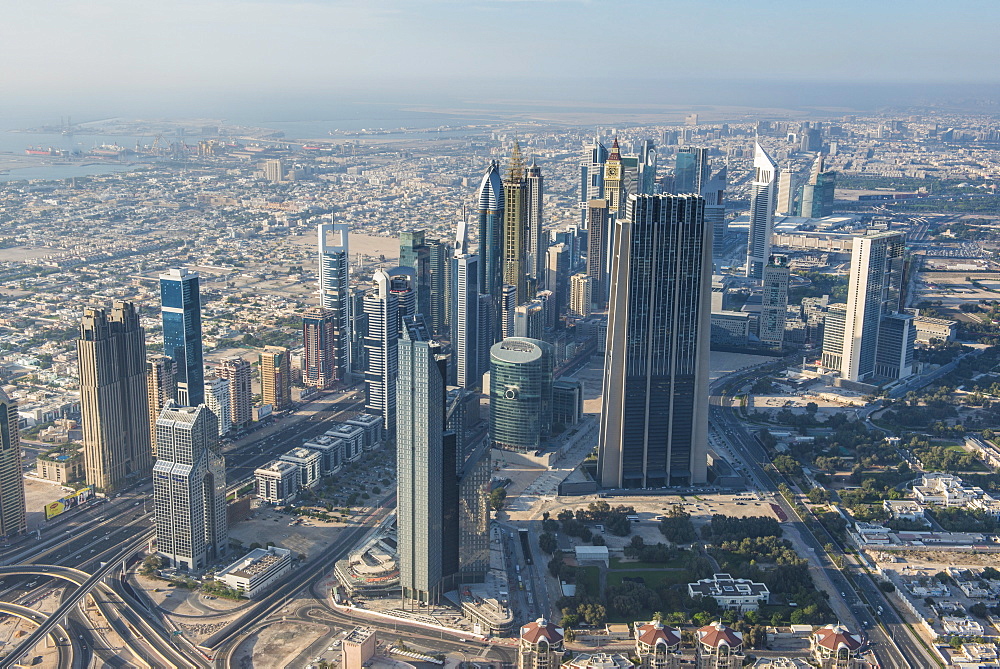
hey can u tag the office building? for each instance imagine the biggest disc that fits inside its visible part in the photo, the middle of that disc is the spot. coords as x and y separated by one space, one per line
508 303
691 170
491 250
359 647
219 400
878 337
474 471
319 349
614 181
469 328
557 276
520 393
567 402
277 482
401 285
540 645
238 373
309 464
276 378
592 177
786 193
774 302
415 256
529 320
274 170
180 306
111 357
646 178
440 278
12 509
515 228
534 192
426 469
654 421
581 294
161 387
189 488
335 295
818 192
834 322
714 193
257 571
382 310
763 193
598 252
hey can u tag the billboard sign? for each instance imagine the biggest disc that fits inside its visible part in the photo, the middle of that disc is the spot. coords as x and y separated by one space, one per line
60 505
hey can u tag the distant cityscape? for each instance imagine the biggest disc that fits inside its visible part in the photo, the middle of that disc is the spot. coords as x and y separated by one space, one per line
708 394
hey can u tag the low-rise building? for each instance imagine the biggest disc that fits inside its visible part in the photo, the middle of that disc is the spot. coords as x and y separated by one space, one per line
945 489
718 646
904 509
738 594
331 451
353 437
730 328
834 646
256 572
934 328
359 647
657 646
976 656
372 425
60 466
599 661
277 482
308 462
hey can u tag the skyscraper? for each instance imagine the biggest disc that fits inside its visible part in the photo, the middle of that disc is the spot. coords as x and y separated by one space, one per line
581 292
161 387
491 250
537 241
415 254
598 232
238 373
592 177
111 353
714 193
646 184
180 306
763 192
426 466
614 191
818 192
557 276
878 337
439 317
515 227
319 349
774 301
466 333
508 303
382 310
520 393
529 320
189 488
276 377
786 192
654 421
335 293
691 170
12 511
218 400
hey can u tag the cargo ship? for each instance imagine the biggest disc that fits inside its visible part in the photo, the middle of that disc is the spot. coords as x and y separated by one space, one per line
39 151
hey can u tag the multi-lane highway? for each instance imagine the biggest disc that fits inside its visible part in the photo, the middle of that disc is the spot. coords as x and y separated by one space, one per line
891 641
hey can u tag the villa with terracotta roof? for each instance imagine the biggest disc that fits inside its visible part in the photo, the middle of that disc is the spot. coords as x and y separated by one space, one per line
719 647
657 646
835 647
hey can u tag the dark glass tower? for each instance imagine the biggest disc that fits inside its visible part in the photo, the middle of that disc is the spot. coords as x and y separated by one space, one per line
491 203
180 304
654 423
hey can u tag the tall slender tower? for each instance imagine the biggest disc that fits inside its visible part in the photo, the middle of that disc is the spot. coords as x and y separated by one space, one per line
646 181
654 424
189 488
237 372
426 464
557 276
335 292
491 251
691 170
415 254
597 251
319 349
714 193
818 192
440 263
111 354
592 177
763 194
218 399
878 338
12 511
774 301
276 377
161 387
614 192
537 242
786 192
382 309
466 336
515 227
180 306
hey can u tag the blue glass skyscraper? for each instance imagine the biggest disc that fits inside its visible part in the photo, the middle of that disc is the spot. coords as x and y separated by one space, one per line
180 306
491 220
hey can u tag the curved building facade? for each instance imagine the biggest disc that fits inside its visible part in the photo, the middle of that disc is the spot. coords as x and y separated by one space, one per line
520 393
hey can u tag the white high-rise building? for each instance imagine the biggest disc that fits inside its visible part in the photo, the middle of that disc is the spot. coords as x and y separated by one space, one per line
878 337
774 302
537 241
786 193
189 488
219 402
382 309
763 193
335 289
581 294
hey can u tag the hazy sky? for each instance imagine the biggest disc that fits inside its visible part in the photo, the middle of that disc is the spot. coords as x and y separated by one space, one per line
52 49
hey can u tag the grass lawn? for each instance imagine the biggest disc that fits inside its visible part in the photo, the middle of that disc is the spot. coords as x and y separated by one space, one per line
590 578
654 578
619 564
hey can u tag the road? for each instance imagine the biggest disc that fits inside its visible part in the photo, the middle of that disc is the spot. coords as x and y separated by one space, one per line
892 643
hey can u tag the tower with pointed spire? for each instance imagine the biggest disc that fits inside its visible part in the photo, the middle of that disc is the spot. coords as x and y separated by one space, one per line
382 309
515 227
613 191
491 221
763 198
537 244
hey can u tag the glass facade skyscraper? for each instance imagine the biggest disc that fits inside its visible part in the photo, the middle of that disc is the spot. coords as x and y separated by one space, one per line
763 198
654 423
491 220
12 509
180 305
520 393
335 295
